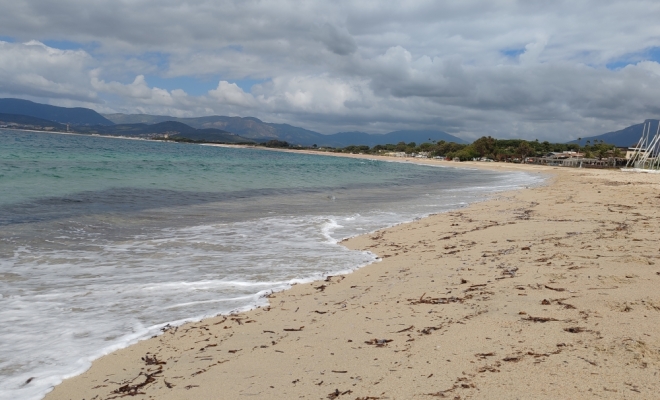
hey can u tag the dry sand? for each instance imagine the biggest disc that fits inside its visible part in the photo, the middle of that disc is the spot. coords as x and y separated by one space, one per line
548 292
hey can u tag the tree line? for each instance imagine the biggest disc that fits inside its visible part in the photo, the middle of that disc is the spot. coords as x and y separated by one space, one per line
488 147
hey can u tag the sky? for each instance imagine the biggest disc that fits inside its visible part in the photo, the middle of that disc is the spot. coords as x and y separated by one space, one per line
532 69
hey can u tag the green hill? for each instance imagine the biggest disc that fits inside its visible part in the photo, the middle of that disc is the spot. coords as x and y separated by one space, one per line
625 137
169 129
63 115
27 122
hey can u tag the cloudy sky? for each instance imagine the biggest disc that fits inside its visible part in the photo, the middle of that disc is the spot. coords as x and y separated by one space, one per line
554 70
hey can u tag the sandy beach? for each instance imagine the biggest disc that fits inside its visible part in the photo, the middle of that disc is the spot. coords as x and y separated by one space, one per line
546 292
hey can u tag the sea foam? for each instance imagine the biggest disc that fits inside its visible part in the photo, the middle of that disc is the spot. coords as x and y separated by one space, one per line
194 231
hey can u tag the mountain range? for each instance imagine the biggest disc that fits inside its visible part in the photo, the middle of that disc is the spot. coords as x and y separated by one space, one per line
63 115
26 120
259 131
211 128
625 137
224 129
173 130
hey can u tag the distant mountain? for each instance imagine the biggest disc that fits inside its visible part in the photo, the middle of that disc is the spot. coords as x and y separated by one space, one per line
138 130
213 136
260 131
27 121
211 128
63 115
422 136
626 137
119 118
171 128
248 127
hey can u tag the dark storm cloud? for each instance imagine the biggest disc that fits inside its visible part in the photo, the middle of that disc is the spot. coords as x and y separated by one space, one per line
529 68
339 42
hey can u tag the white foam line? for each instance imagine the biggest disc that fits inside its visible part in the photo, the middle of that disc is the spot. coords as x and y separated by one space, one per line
210 284
192 303
259 298
327 228
84 363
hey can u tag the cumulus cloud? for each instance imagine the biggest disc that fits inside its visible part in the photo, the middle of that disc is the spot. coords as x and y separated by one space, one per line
34 69
476 67
230 94
138 89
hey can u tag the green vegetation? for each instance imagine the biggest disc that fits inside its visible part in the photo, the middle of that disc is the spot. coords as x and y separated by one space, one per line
486 147
277 144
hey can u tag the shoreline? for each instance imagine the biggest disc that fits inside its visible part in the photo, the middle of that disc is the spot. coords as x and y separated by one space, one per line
134 338
290 326
503 166
425 161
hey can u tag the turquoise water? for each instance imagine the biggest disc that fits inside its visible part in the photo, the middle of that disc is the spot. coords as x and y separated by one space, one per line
39 165
103 241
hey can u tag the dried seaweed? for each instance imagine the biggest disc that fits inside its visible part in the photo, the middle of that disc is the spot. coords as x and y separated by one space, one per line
152 360
555 289
436 300
133 390
337 393
293 329
539 319
378 342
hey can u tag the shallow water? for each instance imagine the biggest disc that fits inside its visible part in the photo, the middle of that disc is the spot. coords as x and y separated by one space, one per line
103 241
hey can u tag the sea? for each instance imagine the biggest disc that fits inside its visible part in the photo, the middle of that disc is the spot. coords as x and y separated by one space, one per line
104 241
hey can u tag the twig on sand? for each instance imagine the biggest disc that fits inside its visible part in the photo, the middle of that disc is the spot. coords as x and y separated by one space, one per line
293 329
539 319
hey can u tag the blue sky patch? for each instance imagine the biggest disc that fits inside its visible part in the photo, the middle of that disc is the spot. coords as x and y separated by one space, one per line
650 54
246 84
613 66
512 53
196 86
157 59
67 45
236 47
192 86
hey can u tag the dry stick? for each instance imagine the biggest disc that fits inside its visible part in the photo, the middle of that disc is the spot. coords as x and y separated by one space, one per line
406 330
589 361
293 329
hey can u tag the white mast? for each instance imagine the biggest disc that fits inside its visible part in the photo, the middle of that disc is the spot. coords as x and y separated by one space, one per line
645 154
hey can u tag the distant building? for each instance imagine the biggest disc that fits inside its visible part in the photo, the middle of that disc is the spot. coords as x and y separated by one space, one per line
630 151
564 155
576 162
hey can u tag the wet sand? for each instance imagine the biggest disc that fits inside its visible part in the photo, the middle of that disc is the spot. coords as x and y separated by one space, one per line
547 292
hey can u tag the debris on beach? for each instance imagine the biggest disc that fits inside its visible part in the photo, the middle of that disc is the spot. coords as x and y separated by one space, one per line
293 329
378 342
